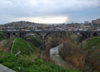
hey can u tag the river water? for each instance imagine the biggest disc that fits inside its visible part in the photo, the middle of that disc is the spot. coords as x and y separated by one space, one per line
54 55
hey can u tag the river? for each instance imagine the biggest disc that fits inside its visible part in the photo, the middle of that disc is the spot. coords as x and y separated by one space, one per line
54 55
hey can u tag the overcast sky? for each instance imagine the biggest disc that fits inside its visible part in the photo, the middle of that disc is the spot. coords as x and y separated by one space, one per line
49 11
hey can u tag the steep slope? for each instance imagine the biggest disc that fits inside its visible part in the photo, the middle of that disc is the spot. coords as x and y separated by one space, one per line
23 46
5 45
22 65
34 40
2 36
25 62
92 47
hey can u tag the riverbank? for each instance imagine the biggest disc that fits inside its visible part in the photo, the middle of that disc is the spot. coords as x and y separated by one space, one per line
54 55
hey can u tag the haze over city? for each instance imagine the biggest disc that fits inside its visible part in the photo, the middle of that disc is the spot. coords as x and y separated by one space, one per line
49 11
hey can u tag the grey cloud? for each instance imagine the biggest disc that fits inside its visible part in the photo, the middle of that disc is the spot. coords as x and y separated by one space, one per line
30 8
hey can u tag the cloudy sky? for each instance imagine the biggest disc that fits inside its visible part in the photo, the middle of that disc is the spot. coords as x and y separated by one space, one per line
49 11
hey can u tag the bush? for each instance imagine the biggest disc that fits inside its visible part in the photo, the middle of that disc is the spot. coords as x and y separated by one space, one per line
2 36
21 65
92 48
71 53
35 41
23 46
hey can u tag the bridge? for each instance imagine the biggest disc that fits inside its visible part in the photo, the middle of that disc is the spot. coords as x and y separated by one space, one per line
44 33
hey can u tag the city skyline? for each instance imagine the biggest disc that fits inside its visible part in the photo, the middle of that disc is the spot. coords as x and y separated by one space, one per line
49 11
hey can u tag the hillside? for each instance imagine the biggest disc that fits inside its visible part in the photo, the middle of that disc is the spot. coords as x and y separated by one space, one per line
84 56
92 48
34 40
5 43
20 23
2 36
23 46
28 60
20 65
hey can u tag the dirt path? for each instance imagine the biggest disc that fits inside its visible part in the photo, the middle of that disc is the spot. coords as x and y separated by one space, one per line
13 44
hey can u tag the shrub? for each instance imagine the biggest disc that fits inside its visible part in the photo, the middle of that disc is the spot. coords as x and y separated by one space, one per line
21 65
92 48
2 36
23 46
35 41
71 53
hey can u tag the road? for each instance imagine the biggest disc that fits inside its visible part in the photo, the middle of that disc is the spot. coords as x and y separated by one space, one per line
5 69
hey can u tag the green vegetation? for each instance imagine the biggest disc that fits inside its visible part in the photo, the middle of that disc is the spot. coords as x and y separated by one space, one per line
92 47
20 65
23 46
28 60
2 36
93 42
35 41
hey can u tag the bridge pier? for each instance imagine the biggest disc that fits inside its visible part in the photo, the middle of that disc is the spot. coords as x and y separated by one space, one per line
91 34
42 47
19 34
43 37
43 42
9 35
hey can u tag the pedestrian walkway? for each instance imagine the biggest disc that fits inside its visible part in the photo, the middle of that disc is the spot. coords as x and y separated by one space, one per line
5 69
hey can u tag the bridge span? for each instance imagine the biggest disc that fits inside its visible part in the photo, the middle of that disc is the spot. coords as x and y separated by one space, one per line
44 33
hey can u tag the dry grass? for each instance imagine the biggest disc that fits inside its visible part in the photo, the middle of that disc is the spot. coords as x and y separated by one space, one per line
71 52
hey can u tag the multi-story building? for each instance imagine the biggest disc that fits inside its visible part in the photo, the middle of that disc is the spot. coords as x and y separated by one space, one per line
96 23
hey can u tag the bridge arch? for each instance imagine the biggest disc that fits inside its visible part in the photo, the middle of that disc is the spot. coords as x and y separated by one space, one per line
95 34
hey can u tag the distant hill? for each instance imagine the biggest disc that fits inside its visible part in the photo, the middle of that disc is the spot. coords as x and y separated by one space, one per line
23 24
20 24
